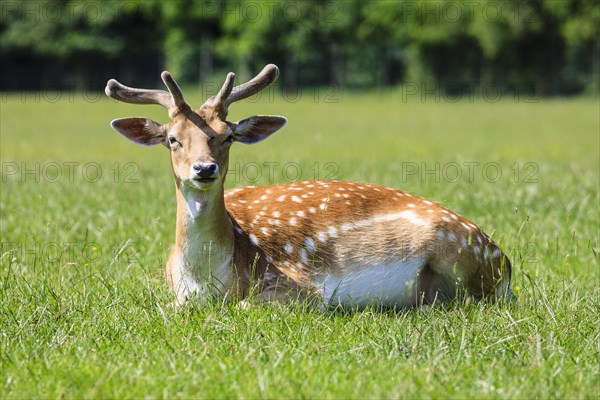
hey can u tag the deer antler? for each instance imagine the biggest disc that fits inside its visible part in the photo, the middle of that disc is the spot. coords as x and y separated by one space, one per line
229 94
172 100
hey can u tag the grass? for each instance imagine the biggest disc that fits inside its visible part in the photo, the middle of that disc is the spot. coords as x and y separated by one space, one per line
84 304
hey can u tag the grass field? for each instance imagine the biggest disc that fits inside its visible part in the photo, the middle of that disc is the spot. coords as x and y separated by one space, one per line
87 219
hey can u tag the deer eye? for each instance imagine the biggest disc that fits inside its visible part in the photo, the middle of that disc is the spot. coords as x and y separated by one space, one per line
229 139
173 142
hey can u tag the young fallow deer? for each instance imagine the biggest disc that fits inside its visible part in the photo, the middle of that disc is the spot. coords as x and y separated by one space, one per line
349 244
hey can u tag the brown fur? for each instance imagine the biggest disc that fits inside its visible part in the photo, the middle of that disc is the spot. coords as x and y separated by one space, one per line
448 262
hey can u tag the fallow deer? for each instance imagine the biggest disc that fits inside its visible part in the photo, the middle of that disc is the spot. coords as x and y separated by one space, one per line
345 243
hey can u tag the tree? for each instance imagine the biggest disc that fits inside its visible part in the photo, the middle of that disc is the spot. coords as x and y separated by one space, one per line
69 40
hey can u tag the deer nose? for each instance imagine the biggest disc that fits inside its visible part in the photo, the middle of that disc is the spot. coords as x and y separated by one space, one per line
205 170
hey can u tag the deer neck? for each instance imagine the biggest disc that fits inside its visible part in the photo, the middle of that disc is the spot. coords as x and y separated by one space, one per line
204 234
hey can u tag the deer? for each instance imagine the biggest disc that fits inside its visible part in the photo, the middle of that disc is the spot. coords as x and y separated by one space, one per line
345 244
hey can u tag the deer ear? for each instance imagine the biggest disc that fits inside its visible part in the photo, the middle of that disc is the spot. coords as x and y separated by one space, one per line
140 130
257 128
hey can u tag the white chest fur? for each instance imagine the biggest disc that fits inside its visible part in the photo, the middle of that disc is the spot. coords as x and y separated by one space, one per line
201 270
202 262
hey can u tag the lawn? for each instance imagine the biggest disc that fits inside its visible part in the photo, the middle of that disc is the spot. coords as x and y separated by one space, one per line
87 220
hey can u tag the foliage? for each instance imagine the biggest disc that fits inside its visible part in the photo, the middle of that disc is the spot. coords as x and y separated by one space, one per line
551 47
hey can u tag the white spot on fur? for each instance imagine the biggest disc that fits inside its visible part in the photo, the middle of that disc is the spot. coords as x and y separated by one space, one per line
310 244
293 221
332 231
288 248
281 198
412 217
486 253
312 210
296 199
322 237
303 256
346 227
300 214
253 239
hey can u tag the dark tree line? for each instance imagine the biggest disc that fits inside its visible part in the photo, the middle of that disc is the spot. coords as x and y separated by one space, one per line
547 47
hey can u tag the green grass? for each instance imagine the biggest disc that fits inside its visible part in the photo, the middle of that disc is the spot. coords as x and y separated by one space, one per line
85 307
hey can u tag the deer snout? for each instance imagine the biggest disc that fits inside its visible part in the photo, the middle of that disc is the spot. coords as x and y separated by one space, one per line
205 170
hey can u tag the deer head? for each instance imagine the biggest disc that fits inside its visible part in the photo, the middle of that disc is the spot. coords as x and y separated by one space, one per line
199 141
